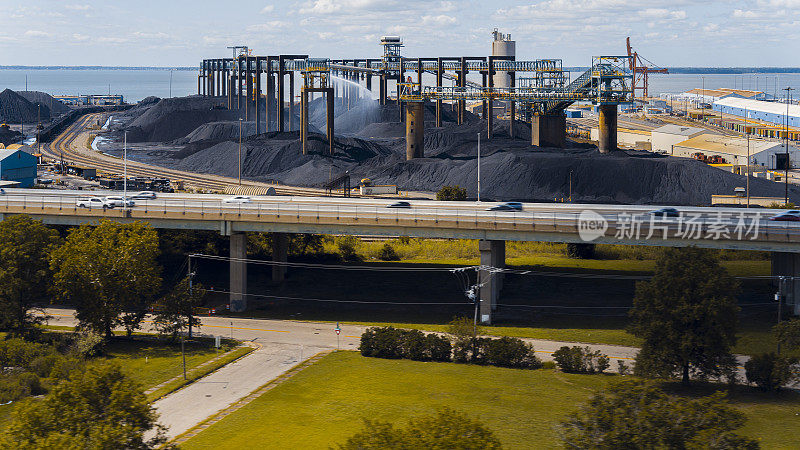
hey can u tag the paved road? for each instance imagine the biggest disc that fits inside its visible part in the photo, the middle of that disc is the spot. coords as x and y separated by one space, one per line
284 344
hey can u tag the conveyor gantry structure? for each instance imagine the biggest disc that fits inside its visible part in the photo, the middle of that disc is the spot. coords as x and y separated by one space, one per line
544 91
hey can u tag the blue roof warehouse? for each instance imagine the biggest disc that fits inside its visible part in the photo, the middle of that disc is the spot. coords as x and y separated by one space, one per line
18 165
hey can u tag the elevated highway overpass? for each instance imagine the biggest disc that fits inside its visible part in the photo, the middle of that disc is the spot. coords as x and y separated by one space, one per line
721 228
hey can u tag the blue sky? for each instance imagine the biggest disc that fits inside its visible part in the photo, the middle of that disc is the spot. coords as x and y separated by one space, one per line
181 32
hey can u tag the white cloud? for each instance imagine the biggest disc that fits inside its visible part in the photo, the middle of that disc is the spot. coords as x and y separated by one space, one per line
80 37
440 20
145 35
36 33
83 7
267 9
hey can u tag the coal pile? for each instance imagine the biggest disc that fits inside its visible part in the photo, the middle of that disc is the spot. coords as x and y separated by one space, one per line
370 144
56 107
9 136
175 118
14 108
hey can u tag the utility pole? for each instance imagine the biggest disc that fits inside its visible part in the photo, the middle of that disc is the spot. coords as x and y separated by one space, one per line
779 299
748 157
170 83
786 171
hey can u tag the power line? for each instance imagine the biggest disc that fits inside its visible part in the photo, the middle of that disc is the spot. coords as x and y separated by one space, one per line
325 300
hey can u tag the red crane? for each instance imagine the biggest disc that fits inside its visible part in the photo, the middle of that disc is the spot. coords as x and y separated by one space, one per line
641 69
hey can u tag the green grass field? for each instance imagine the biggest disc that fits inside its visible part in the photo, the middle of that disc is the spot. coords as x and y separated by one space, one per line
153 362
325 403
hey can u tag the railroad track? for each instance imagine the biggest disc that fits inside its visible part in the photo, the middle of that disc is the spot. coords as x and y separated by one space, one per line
64 145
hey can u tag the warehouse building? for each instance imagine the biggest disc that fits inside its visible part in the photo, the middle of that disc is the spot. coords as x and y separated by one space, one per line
770 155
19 166
764 111
665 137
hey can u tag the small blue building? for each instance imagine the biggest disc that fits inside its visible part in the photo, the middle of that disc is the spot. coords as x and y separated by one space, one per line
18 165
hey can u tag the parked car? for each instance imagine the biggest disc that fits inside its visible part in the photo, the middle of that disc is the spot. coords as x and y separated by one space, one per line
788 216
665 212
238 200
119 202
400 204
93 202
144 195
507 206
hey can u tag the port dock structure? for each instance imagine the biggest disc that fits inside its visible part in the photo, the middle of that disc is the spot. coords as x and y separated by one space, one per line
316 77
607 84
239 80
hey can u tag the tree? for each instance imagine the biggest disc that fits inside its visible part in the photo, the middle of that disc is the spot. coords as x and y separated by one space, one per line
446 429
25 246
96 408
109 272
451 193
770 372
638 415
788 333
176 309
686 317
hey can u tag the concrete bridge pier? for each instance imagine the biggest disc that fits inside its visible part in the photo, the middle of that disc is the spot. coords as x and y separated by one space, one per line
415 130
549 130
787 265
280 254
493 253
607 128
238 272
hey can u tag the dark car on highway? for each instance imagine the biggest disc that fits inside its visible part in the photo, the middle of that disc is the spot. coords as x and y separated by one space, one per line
507 206
401 204
788 216
665 212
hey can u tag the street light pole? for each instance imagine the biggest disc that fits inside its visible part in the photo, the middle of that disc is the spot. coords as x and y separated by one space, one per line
240 151
125 172
479 167
786 171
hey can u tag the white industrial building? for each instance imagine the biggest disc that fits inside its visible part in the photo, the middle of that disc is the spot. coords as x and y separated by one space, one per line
767 154
665 137
754 109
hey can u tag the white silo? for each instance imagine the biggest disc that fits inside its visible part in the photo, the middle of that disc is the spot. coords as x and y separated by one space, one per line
502 45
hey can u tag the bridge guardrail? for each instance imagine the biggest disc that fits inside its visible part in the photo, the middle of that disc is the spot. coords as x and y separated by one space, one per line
626 226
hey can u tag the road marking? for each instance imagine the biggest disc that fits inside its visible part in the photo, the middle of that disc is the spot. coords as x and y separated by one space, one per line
248 329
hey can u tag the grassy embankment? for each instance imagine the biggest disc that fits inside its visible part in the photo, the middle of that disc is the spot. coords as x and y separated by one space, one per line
152 362
326 402
574 325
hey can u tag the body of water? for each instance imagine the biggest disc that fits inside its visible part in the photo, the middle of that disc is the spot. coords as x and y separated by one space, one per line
135 85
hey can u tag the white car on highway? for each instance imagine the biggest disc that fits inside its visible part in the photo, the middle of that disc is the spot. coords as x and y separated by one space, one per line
92 202
119 202
237 200
144 195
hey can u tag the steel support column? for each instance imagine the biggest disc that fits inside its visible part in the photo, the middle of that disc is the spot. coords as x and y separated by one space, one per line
291 100
439 75
607 128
